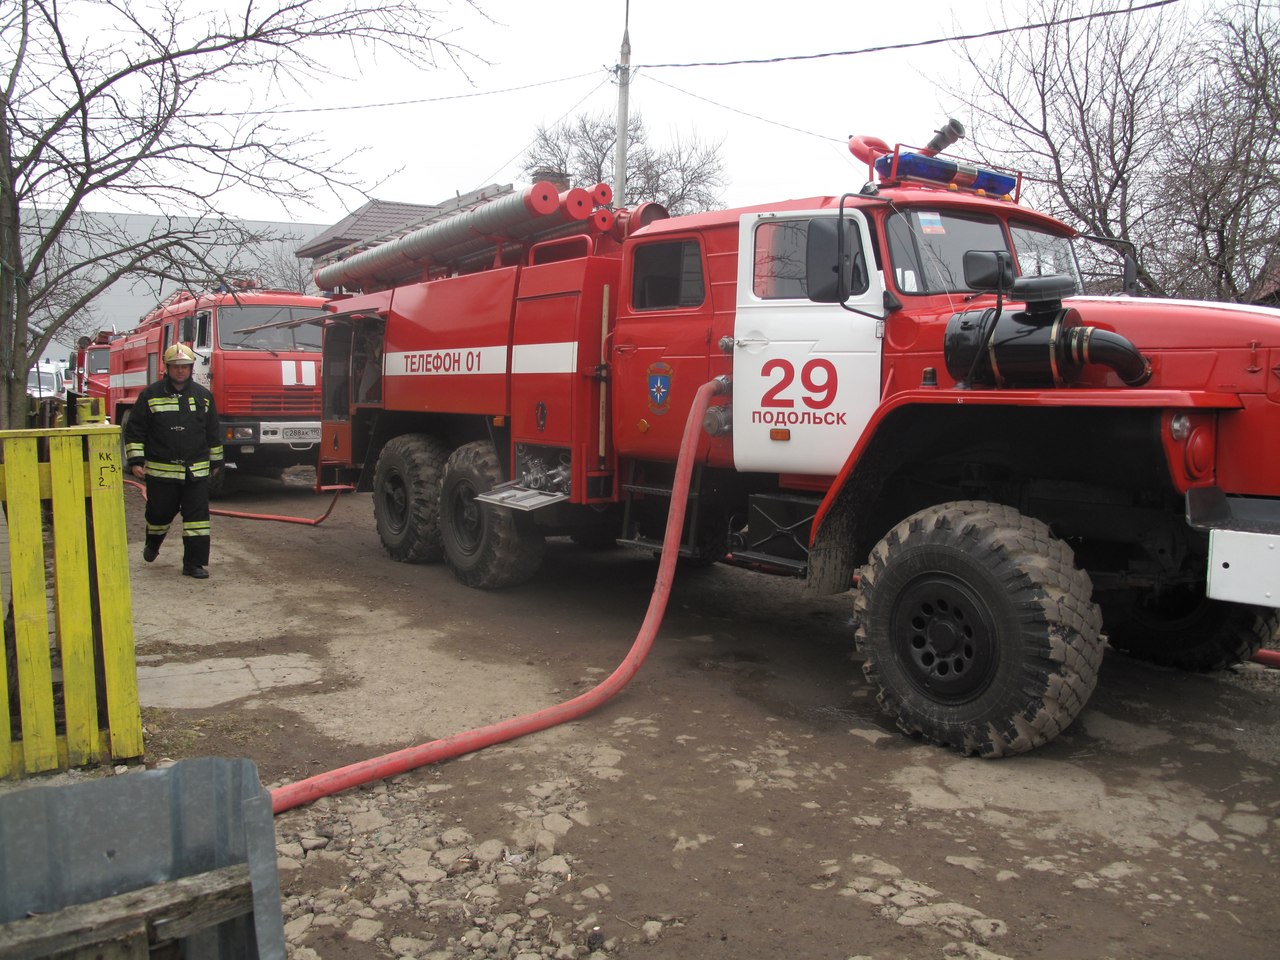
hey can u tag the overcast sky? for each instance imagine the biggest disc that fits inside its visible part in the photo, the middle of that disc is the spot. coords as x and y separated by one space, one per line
783 125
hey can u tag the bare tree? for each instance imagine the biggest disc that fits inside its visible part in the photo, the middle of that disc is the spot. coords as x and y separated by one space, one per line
274 265
1224 241
111 101
685 177
1129 127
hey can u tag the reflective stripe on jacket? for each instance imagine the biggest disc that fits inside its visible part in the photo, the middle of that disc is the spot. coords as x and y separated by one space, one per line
173 432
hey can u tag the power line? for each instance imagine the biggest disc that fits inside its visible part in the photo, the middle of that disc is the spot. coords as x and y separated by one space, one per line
753 116
921 43
523 149
396 103
908 45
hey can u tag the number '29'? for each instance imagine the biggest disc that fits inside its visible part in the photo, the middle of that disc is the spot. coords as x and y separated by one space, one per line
817 378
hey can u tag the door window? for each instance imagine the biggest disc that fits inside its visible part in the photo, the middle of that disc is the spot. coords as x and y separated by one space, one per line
202 329
778 270
667 276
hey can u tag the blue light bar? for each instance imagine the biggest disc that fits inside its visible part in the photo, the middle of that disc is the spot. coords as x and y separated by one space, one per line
917 166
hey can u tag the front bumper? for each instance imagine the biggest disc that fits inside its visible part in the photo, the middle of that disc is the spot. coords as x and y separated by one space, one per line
1244 545
300 435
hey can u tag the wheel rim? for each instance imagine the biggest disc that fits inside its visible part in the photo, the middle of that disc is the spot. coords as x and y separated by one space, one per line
395 503
944 638
466 520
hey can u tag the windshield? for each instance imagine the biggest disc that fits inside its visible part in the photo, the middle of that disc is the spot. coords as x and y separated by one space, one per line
927 247
42 381
99 360
1042 254
232 321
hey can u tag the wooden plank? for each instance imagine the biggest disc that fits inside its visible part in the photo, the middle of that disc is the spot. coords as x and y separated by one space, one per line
30 609
128 944
37 432
106 492
71 607
15 750
170 910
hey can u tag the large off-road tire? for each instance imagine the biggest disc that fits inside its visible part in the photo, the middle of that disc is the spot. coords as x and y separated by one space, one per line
1185 629
978 630
406 497
485 546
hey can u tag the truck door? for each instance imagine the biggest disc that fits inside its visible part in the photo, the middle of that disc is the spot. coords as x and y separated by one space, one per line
806 376
660 353
202 345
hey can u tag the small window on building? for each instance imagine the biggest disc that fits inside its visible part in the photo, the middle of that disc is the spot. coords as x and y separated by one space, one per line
667 276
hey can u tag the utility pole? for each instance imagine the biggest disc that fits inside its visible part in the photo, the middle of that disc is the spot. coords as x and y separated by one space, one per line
624 80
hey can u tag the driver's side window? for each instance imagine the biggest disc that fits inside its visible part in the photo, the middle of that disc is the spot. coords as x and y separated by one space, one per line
779 260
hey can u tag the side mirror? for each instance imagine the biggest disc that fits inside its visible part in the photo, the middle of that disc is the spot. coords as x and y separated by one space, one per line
826 275
988 270
1129 276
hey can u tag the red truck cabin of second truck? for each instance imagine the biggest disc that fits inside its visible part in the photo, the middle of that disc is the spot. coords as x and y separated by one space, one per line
263 371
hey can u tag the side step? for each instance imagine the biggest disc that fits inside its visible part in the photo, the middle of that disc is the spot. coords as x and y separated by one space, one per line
510 494
646 543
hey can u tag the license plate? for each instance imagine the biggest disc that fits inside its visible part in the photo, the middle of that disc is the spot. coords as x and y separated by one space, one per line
301 433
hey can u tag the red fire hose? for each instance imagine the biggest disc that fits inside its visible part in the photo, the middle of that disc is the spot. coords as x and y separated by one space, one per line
1268 658
309 521
304 791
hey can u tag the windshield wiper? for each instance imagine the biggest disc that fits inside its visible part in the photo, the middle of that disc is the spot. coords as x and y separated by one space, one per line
252 346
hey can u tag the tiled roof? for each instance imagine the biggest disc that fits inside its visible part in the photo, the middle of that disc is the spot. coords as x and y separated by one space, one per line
379 219
373 219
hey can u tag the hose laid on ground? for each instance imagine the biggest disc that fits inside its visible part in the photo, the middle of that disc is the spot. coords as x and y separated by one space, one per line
1268 658
323 784
309 521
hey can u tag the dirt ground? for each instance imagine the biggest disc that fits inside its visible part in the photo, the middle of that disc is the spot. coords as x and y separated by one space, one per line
740 798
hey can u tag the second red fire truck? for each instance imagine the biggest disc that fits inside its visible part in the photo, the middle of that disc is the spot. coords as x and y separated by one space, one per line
265 377
914 400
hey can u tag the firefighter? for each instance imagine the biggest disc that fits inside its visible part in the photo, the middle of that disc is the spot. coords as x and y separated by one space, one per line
171 440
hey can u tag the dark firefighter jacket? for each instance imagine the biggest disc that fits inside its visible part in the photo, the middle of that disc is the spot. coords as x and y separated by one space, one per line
172 431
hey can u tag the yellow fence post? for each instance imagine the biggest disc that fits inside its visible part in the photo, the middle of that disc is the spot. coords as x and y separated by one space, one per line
82 483
115 610
71 607
30 610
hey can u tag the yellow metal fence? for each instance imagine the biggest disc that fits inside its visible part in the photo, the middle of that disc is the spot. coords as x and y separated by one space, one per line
72 701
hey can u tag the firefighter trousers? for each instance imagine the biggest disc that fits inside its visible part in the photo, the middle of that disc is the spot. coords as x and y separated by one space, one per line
165 499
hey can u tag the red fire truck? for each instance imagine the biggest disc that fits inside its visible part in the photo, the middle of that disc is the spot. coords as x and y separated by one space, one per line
916 402
91 365
263 372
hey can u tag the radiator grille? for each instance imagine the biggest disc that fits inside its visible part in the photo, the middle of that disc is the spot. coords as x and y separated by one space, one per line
271 401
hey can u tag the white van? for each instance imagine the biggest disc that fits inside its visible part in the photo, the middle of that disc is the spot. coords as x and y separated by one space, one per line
47 380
